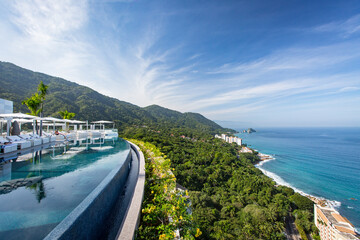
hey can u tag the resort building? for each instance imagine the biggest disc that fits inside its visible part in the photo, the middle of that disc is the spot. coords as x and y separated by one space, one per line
229 139
333 226
6 106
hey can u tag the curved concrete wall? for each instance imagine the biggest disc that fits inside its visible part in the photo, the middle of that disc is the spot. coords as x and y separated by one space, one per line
86 220
132 218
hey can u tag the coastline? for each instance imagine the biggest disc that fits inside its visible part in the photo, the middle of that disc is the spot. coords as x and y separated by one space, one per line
295 146
318 201
264 158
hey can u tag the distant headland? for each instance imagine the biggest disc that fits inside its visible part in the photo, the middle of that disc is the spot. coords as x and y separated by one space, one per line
249 130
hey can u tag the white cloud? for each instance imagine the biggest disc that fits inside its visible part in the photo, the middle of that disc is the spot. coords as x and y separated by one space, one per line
295 59
47 19
346 27
135 66
348 89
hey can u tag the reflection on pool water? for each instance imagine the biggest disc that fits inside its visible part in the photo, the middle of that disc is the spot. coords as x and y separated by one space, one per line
38 192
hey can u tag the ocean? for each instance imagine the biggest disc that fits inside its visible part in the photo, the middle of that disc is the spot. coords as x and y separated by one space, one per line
323 162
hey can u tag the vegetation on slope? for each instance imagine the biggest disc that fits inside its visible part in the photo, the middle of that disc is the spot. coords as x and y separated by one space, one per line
164 209
231 199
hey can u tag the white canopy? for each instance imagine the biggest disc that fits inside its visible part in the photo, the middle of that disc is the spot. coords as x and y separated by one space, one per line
53 124
102 122
22 120
52 119
77 122
18 115
67 120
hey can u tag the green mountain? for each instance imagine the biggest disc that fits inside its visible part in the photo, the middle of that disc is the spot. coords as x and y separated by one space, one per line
18 83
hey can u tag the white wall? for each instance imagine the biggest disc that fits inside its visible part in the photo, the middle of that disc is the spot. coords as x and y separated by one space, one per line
6 106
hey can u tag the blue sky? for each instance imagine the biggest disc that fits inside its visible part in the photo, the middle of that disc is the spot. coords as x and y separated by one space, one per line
258 63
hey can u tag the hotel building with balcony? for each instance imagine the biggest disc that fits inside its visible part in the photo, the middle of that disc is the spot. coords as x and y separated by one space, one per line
333 226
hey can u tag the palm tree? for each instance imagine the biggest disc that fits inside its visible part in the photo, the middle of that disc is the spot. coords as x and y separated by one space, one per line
42 88
33 103
66 115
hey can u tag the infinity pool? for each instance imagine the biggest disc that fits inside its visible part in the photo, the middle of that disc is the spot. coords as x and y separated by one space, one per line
40 189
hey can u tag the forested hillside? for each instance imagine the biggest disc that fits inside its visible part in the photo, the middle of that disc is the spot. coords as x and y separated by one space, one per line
230 198
18 83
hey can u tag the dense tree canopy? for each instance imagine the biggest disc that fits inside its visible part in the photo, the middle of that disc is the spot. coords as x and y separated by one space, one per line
231 199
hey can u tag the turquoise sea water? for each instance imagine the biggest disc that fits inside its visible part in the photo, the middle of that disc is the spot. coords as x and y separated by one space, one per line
323 162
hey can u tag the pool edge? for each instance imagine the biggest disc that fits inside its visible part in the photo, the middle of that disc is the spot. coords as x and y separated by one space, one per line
132 216
85 221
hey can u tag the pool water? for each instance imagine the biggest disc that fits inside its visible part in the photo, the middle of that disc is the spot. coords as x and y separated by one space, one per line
39 192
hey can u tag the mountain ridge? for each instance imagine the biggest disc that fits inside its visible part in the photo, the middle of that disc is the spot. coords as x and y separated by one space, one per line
19 83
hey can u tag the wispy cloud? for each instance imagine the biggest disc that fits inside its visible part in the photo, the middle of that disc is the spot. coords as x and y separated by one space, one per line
287 73
345 28
46 19
195 56
142 57
349 89
295 59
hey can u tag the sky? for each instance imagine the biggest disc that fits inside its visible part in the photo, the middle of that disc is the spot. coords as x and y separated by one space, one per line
280 63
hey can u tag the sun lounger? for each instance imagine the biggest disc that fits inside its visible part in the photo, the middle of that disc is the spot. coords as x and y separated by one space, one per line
70 136
81 134
20 142
51 137
28 137
95 134
6 146
44 139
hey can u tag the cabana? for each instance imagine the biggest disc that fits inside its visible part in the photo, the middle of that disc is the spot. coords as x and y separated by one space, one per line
108 133
54 122
10 116
102 124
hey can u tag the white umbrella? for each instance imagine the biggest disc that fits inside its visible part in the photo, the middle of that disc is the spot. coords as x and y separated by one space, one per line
102 121
17 115
19 120
77 122
52 119
67 120
53 124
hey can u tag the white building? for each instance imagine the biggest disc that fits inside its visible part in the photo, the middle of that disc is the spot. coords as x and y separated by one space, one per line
230 139
6 106
333 226
217 136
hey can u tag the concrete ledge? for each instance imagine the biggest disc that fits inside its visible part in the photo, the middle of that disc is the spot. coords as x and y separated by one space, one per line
86 220
132 217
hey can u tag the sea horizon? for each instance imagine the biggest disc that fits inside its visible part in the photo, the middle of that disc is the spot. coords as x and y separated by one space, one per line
318 161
